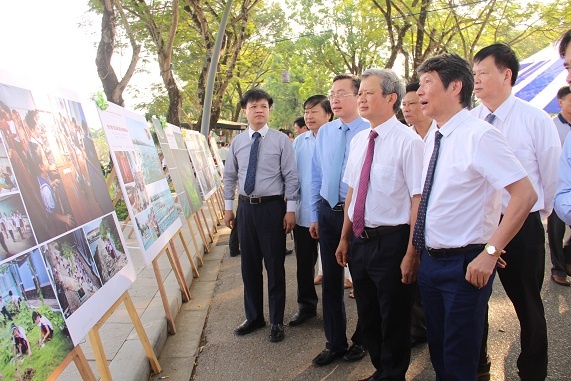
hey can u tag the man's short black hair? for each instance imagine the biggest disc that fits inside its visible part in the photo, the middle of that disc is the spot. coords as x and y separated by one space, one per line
356 80
504 58
253 95
565 40
299 121
321 100
412 87
563 92
450 68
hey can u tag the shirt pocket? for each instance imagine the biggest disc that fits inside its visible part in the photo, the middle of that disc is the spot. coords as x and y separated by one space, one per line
383 184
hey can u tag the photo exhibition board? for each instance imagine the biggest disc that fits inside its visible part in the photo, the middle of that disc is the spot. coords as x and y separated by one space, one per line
63 260
177 165
216 156
202 162
146 192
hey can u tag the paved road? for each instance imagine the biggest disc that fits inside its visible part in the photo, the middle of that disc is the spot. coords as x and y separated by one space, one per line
225 356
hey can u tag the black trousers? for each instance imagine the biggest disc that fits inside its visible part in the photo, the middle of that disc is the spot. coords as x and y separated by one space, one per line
233 241
306 257
332 287
383 301
560 252
262 238
522 280
418 321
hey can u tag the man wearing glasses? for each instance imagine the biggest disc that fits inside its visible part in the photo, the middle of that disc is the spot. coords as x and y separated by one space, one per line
328 194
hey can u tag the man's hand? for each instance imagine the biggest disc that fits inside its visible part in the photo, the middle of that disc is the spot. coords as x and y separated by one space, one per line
409 266
481 268
341 253
229 218
289 222
314 230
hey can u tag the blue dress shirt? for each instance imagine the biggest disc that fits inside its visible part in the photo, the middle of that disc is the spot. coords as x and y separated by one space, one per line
303 148
562 202
325 147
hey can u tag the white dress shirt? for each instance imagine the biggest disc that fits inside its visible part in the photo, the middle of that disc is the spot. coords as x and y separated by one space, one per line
474 164
395 173
533 138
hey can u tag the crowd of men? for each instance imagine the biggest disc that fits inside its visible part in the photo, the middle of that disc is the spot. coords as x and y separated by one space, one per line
425 214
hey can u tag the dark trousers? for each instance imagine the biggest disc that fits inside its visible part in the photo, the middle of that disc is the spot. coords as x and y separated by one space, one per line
233 241
262 238
522 280
418 322
455 313
334 318
560 252
306 257
383 301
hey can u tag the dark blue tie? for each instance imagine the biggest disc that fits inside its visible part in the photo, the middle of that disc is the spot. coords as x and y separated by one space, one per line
490 118
418 234
250 182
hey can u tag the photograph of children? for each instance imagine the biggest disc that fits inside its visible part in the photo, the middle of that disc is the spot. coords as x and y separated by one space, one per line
200 164
106 246
35 338
146 154
124 162
15 232
49 148
72 270
146 223
164 209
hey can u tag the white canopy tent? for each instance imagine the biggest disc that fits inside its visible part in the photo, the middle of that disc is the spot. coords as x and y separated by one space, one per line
540 77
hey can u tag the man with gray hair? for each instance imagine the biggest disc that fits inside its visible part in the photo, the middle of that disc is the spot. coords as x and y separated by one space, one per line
383 173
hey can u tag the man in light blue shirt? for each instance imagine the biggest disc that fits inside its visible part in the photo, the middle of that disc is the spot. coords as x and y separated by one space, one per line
317 113
327 204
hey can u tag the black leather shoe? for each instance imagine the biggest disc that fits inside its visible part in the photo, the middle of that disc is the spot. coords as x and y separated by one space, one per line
276 332
249 326
301 317
417 340
356 352
484 370
326 357
235 253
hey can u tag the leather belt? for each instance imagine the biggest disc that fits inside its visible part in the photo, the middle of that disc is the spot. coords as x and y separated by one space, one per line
259 200
445 253
382 230
339 207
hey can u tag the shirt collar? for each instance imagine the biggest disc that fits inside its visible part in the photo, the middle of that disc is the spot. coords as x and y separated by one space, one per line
384 128
454 122
562 119
263 131
502 112
353 124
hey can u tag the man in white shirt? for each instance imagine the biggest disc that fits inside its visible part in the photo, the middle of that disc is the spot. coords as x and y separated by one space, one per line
383 174
413 115
466 164
533 139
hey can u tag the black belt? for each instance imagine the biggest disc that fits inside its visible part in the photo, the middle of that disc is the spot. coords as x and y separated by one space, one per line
259 200
382 230
445 253
339 207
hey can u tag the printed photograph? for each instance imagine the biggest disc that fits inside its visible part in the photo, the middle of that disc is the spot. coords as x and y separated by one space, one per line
147 226
53 160
8 183
164 209
16 234
124 162
34 338
146 154
106 247
72 270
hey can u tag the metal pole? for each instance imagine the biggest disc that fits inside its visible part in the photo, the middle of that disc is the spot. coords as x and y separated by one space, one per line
206 112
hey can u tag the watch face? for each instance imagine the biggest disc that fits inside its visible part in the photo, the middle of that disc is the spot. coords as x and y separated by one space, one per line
491 250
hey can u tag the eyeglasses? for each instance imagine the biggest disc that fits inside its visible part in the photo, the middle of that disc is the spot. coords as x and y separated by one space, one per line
339 96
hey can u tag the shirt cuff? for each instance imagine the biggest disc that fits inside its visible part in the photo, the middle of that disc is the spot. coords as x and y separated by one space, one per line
291 206
228 204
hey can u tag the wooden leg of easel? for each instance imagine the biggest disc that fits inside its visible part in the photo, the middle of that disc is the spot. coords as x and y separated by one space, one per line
175 264
155 366
202 235
99 354
77 356
194 269
170 321
213 216
125 224
220 201
198 253
132 231
207 224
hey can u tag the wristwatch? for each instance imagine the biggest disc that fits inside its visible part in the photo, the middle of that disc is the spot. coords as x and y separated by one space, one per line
491 250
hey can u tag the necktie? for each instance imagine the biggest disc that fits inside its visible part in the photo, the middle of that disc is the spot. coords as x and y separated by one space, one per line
359 210
490 118
250 182
335 173
418 234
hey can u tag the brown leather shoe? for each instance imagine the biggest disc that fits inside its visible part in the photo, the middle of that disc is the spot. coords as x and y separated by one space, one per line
568 269
561 280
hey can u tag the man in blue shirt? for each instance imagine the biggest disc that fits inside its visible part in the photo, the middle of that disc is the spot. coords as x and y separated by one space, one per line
327 204
317 113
